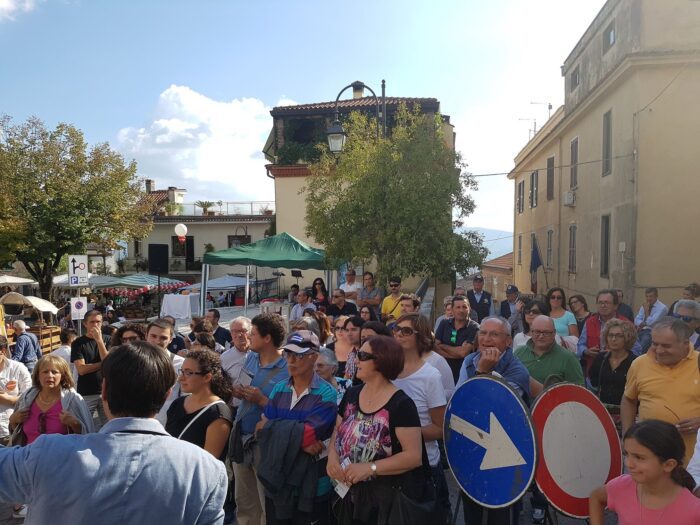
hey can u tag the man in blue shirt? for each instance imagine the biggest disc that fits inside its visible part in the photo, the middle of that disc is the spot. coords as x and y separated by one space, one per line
651 311
131 471
27 350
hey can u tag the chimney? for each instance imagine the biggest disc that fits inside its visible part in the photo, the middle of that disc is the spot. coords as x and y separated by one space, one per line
150 186
358 89
171 194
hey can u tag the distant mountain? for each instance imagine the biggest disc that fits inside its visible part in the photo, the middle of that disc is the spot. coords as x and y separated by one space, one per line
498 242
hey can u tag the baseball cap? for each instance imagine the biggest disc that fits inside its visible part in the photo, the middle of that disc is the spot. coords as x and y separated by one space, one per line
478 278
511 288
302 341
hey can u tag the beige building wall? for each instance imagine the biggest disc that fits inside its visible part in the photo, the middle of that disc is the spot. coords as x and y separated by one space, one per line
650 193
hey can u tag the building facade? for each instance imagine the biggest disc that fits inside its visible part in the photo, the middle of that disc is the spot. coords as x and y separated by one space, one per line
607 188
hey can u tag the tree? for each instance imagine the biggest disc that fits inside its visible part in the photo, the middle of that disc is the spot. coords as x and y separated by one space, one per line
399 200
64 196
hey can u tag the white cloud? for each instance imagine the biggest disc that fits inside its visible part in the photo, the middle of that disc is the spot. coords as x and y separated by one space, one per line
211 148
9 9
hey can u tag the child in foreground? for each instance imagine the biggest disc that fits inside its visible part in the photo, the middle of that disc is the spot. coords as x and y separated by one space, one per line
657 489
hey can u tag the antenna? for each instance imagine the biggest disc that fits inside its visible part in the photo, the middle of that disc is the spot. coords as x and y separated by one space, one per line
531 132
549 107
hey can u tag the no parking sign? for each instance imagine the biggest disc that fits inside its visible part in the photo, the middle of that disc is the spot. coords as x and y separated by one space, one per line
78 307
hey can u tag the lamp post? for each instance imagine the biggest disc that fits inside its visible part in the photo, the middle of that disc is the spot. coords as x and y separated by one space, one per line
336 133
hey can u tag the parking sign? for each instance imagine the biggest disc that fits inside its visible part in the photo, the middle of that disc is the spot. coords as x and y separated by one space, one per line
77 270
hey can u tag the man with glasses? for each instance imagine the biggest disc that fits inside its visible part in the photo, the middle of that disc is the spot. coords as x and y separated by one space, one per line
689 312
340 305
309 401
232 360
390 308
265 367
589 342
350 286
545 360
455 337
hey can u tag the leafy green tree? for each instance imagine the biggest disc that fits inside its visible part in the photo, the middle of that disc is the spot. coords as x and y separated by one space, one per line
64 196
399 200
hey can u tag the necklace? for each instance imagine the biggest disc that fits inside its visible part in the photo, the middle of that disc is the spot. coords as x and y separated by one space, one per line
641 509
46 402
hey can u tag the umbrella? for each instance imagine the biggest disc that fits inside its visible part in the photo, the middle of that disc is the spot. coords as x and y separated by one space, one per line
11 279
28 300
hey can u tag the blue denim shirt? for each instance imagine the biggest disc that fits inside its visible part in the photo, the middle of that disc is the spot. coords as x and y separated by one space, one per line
265 378
131 471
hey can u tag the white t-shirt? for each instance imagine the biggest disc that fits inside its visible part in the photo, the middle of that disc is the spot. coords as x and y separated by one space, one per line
12 371
177 361
350 288
424 386
63 352
441 365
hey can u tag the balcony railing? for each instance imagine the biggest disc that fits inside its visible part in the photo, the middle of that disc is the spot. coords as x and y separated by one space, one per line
219 208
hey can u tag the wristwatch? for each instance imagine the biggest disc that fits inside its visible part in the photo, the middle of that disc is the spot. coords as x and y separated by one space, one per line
373 468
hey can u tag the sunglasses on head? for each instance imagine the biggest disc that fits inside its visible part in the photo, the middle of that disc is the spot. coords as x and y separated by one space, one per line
365 356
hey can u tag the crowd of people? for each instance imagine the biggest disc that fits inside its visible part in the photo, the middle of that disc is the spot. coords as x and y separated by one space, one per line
338 419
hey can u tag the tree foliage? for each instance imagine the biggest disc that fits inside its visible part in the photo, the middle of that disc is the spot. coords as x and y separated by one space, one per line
400 200
63 196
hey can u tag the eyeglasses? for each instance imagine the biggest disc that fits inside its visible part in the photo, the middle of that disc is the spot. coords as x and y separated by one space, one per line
573 302
239 332
556 297
403 330
292 356
541 333
365 356
490 334
604 303
190 373
685 318
394 285
616 336
338 329
533 312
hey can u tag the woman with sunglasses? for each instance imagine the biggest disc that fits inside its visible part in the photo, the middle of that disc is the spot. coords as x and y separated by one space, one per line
51 406
423 384
128 333
564 321
377 438
319 294
367 314
340 344
203 417
579 307
532 309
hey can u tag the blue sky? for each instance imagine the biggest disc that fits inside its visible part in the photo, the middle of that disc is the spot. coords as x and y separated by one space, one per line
185 88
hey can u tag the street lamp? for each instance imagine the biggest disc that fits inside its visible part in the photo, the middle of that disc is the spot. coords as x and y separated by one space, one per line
336 133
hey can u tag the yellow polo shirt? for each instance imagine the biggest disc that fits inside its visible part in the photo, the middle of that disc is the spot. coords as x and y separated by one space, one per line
666 393
391 306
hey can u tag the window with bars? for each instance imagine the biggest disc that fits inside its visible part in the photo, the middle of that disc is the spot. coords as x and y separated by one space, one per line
520 197
572 248
573 168
520 249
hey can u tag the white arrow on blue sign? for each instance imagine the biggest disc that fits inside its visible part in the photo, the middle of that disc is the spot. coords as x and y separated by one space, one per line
490 442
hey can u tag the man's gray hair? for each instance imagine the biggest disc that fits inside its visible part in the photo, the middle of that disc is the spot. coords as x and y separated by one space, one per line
504 322
681 330
244 321
688 304
20 325
330 356
306 323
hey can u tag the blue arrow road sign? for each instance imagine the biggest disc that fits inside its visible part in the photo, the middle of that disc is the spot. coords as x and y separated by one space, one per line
490 442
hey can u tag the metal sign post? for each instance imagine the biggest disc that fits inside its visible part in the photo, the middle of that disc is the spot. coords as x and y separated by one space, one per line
78 308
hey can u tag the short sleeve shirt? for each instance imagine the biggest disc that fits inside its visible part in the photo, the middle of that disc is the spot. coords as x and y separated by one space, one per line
374 293
449 335
557 362
265 378
86 349
196 433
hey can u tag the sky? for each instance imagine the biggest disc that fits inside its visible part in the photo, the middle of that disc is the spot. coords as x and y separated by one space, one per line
185 87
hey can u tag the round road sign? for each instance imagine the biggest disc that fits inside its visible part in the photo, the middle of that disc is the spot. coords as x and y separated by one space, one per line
490 442
577 446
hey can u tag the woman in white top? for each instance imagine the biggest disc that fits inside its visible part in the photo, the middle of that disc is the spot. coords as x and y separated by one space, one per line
423 384
564 321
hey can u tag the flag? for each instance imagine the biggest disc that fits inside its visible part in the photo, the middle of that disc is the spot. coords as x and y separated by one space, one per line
535 263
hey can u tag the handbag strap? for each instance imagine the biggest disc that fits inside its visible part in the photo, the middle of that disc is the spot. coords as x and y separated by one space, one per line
202 411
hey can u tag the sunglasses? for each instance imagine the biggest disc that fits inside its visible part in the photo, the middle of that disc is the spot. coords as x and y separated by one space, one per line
190 373
685 318
289 355
533 312
337 296
365 356
403 330
393 285
556 297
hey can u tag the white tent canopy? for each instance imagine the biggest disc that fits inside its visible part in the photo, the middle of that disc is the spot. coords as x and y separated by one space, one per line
14 298
12 280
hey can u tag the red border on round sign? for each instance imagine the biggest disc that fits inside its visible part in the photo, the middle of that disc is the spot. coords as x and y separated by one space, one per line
541 409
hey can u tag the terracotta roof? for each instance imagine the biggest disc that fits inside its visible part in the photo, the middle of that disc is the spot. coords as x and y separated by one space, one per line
428 104
504 261
156 198
294 170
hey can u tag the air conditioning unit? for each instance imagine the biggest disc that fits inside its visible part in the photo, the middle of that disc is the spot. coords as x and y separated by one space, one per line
569 198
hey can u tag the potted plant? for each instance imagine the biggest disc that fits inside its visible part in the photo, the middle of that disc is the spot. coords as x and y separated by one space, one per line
205 205
172 208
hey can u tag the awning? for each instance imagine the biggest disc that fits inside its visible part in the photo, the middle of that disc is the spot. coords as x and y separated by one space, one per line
14 298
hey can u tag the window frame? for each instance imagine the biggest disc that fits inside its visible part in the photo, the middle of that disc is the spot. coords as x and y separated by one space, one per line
550 243
575 78
572 248
607 151
605 240
550 178
534 188
608 32
520 249
573 163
